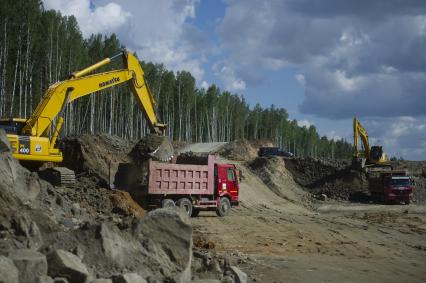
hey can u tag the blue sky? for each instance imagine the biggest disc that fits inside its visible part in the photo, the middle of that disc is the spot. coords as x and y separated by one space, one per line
324 61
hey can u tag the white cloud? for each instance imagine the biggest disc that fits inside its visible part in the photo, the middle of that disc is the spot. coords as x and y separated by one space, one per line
333 136
357 58
204 85
227 74
101 19
304 123
301 79
156 30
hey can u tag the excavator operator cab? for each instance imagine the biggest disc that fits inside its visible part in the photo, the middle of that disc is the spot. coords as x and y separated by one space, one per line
12 126
376 152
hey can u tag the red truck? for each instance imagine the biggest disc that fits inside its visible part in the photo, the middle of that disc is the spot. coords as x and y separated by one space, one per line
392 186
194 184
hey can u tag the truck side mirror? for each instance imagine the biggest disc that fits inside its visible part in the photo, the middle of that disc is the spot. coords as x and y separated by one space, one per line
240 175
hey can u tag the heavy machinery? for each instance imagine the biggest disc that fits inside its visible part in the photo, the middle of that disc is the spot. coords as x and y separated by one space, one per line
194 184
33 140
367 157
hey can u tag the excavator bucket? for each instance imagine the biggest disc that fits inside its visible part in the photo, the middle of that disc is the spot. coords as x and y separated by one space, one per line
153 146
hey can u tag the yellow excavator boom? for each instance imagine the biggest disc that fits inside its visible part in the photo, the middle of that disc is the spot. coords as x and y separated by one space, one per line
80 84
31 139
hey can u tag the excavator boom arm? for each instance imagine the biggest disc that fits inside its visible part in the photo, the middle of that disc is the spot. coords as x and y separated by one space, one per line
359 131
80 84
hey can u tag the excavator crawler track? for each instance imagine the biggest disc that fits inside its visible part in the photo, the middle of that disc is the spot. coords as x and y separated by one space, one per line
59 176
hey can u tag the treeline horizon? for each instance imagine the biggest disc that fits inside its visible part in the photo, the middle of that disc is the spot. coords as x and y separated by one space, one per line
39 48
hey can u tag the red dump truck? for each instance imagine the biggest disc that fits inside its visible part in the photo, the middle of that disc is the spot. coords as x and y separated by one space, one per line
392 186
194 184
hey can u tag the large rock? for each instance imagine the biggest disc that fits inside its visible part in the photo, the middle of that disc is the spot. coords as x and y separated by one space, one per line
24 226
30 264
120 250
8 271
14 177
44 279
170 231
102 280
67 265
129 278
236 273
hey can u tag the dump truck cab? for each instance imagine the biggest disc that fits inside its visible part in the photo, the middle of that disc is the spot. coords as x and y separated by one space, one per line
398 188
227 185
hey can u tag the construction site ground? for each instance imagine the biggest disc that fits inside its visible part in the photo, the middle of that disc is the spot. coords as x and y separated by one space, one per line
299 219
289 239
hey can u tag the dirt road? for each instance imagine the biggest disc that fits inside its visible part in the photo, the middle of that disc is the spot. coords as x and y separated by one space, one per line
275 239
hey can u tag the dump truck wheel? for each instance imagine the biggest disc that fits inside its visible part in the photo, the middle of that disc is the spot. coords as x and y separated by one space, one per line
186 204
195 212
166 203
224 207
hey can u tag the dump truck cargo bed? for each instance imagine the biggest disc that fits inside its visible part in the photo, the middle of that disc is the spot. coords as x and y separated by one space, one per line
181 179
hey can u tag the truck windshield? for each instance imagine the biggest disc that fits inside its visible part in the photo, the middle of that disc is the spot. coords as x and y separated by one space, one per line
231 176
400 182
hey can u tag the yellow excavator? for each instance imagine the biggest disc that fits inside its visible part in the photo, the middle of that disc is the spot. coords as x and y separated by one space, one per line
33 140
367 157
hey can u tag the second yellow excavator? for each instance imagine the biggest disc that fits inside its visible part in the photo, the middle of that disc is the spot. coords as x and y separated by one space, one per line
33 140
374 156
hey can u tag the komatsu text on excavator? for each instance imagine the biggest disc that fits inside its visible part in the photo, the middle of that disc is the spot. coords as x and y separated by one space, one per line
33 140
369 157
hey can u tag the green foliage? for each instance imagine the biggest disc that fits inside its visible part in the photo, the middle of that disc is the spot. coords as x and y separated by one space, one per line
39 48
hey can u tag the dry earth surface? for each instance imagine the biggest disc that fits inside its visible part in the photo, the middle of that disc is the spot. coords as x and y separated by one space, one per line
278 234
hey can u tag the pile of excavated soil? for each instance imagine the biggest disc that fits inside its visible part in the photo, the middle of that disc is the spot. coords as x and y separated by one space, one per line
418 170
272 171
333 178
95 155
256 144
242 149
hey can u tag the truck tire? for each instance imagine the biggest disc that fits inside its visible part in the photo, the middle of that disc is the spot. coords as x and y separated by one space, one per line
195 212
166 203
185 204
224 207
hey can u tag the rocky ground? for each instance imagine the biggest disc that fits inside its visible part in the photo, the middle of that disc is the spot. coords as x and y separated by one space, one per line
300 220
91 233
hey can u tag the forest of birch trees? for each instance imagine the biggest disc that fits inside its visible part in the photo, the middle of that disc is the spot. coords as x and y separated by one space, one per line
39 48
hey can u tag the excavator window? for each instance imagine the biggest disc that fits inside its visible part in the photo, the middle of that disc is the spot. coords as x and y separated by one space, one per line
11 127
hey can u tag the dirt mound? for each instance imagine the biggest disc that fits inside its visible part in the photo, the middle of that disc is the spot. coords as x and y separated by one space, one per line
240 150
273 173
125 205
256 144
334 178
96 155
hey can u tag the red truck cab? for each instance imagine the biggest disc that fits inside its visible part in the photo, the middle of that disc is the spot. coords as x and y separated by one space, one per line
399 188
392 185
226 176
194 184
